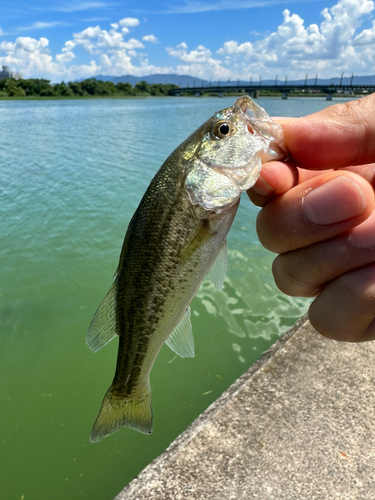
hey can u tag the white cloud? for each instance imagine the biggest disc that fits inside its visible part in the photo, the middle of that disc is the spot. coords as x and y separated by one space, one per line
295 48
28 55
41 26
334 44
198 62
66 57
110 40
366 37
150 38
133 44
111 54
79 6
85 39
128 22
193 6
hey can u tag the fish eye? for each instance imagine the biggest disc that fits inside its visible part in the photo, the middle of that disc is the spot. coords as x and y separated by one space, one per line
224 129
221 130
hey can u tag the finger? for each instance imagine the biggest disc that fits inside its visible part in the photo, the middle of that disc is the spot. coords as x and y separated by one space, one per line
276 178
305 272
321 208
365 171
345 309
335 137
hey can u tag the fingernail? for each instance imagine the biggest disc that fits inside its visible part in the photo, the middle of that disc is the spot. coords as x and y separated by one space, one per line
262 188
335 201
363 235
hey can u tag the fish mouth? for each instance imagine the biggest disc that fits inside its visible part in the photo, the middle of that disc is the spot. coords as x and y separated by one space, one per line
259 122
244 103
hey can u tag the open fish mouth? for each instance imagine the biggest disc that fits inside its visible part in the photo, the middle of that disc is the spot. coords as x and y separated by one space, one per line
261 123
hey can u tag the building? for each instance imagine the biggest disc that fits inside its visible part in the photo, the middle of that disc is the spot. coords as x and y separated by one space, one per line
5 73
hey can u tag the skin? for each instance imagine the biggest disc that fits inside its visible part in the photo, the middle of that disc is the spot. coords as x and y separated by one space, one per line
318 216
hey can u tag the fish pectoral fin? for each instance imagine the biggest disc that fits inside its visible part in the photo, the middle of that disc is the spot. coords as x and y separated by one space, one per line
181 340
102 328
199 239
219 268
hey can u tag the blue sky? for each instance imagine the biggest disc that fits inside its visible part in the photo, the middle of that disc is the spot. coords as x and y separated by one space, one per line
66 39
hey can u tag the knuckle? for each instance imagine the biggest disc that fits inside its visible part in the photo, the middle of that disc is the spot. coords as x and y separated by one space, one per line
361 292
290 280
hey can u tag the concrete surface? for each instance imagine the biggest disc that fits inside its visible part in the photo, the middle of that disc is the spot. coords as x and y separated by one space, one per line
299 425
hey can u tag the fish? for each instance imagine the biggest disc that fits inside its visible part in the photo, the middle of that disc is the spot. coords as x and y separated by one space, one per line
175 238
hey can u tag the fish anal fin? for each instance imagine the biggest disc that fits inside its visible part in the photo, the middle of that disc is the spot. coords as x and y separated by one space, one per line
219 268
102 328
181 340
118 411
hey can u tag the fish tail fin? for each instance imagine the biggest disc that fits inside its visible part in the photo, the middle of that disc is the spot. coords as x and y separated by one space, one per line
118 411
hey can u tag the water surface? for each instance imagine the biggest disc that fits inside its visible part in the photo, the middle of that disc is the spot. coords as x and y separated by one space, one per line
71 175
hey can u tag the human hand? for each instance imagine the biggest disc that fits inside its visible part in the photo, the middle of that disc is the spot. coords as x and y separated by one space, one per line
319 217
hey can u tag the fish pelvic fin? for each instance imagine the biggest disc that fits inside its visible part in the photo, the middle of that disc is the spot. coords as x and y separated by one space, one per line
219 269
118 411
181 340
102 328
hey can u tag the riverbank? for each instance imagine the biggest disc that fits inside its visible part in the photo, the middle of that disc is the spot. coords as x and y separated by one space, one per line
298 425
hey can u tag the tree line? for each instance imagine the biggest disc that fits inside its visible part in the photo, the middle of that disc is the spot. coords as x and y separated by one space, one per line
90 87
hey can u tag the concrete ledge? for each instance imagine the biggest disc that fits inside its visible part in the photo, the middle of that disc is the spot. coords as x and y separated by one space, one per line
299 425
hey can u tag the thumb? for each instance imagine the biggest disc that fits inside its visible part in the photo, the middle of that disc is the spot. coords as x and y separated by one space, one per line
338 136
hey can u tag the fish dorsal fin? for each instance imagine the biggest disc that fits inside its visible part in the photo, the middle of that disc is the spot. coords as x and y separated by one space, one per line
102 328
219 268
181 340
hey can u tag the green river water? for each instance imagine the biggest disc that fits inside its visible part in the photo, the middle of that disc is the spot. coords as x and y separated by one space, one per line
72 173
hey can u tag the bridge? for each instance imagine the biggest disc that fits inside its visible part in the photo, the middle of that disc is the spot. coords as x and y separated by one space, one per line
254 89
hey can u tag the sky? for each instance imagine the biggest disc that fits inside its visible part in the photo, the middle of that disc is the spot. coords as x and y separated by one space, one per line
72 39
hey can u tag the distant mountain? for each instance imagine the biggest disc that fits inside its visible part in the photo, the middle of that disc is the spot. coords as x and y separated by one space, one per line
357 80
190 81
180 80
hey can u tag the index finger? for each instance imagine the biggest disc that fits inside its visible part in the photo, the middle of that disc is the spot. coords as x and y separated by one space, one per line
338 136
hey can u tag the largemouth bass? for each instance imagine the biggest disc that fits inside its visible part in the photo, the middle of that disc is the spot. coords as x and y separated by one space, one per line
176 236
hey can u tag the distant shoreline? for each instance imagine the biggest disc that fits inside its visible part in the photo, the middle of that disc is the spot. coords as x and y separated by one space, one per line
129 97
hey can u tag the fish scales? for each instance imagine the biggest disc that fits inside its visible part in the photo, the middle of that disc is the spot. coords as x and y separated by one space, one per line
174 238
148 267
